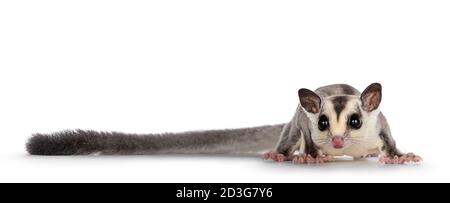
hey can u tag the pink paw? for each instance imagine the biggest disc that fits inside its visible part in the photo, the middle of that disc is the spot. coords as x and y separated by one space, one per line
275 156
403 159
308 159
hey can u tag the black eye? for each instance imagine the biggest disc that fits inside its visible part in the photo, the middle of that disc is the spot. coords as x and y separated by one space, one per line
323 123
355 121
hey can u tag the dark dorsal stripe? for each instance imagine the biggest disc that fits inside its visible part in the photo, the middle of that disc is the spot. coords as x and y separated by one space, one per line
339 104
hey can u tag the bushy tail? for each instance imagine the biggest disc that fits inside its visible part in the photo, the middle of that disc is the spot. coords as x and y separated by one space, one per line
245 141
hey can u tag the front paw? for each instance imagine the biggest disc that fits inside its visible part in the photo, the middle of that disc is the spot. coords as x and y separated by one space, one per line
275 156
402 159
308 159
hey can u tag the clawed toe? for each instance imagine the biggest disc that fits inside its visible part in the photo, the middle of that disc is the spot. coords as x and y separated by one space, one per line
274 156
403 159
297 159
308 159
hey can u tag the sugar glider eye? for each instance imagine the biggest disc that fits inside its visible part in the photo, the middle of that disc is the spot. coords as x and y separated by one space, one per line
323 123
355 121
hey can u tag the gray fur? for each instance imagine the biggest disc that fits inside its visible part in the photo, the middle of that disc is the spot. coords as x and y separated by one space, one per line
245 141
339 103
293 132
389 146
288 139
300 124
338 89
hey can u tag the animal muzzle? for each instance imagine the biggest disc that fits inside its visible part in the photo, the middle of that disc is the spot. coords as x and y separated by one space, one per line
338 142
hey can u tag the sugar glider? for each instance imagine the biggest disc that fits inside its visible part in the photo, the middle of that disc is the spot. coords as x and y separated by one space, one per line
334 120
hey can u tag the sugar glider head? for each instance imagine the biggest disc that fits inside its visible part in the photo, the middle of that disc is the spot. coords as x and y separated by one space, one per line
340 121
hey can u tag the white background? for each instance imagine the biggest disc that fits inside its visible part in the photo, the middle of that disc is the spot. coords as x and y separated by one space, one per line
176 65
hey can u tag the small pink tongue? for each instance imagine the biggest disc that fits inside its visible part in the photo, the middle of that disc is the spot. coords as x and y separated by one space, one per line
338 142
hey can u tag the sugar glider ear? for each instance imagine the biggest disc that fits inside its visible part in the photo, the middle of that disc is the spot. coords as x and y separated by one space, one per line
309 100
371 97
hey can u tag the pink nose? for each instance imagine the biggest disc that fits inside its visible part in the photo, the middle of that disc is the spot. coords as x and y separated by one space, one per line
338 142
